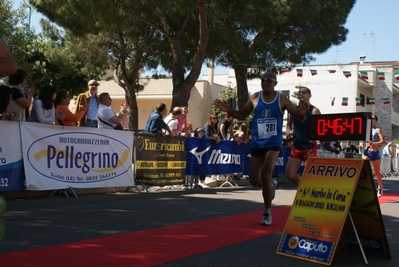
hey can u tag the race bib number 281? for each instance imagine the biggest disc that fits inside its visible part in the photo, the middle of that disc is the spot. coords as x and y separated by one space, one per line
267 127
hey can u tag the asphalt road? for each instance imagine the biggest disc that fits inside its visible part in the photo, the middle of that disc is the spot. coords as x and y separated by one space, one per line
46 221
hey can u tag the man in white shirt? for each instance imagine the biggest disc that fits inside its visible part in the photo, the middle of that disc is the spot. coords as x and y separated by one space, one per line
171 119
107 118
387 152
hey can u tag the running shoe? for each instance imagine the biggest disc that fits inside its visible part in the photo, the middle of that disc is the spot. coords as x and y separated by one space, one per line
267 219
379 192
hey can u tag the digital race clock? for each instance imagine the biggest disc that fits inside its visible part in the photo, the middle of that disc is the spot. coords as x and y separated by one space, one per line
343 126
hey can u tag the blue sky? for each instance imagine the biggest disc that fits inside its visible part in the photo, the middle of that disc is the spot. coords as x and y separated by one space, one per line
372 32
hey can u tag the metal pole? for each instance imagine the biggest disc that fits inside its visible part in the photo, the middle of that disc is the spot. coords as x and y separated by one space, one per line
30 14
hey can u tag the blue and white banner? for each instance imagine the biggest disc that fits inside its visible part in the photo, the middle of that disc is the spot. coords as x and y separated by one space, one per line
57 157
11 164
204 157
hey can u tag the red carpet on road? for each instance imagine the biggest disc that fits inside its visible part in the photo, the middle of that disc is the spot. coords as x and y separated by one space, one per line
156 246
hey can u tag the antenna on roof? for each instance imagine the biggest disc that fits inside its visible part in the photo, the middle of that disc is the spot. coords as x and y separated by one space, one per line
372 34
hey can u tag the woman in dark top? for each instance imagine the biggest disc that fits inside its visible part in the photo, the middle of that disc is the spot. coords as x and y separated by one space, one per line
211 128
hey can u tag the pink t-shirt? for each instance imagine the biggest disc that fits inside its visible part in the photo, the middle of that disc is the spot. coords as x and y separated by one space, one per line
180 123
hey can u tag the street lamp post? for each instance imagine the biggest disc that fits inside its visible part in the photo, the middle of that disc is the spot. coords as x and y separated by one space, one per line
30 14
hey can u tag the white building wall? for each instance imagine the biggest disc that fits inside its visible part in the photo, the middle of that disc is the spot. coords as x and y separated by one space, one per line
324 86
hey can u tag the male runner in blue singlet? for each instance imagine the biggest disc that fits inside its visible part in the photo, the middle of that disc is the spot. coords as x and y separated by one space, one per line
268 106
303 147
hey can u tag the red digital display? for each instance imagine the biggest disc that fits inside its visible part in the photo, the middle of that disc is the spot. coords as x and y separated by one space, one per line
345 126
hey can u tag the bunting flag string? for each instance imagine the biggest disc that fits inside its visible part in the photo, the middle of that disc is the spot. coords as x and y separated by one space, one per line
381 76
299 72
362 74
370 101
344 101
347 73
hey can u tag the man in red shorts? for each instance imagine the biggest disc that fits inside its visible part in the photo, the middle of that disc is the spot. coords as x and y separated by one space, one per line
302 147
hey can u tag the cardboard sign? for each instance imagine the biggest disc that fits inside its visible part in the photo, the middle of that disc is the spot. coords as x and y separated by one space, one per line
366 214
320 209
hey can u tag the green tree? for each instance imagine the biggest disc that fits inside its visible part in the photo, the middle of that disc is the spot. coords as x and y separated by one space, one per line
185 29
109 28
15 32
274 32
48 57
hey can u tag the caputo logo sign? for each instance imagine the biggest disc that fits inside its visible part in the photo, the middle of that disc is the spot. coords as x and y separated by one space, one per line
80 155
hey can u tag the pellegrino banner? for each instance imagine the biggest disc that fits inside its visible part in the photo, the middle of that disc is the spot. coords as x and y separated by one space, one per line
57 157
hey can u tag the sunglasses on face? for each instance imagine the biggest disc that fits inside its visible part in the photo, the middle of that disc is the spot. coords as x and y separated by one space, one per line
267 80
302 92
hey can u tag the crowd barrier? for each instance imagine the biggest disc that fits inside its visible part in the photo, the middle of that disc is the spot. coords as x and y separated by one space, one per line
36 156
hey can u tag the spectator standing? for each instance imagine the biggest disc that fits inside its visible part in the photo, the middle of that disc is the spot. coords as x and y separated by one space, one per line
188 130
21 100
91 99
387 152
63 115
155 123
241 135
7 62
171 120
125 119
182 121
349 150
372 154
299 130
268 106
107 118
199 132
225 128
43 110
5 98
211 128
350 147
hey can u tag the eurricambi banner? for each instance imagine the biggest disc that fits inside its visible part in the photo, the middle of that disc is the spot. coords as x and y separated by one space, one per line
57 157
204 157
11 166
160 160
